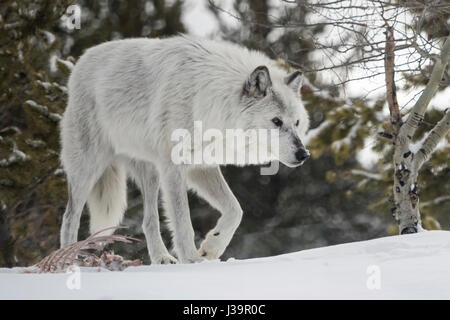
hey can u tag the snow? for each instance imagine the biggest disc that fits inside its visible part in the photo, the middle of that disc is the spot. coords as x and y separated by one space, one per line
15 156
55 117
367 157
49 36
44 110
36 106
348 139
200 21
312 133
399 267
67 63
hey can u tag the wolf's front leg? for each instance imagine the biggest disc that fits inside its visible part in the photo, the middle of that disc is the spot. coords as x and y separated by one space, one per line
174 189
210 185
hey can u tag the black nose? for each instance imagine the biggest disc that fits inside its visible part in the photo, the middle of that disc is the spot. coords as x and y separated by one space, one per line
302 155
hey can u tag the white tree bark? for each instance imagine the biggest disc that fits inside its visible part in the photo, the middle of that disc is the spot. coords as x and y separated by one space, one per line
406 163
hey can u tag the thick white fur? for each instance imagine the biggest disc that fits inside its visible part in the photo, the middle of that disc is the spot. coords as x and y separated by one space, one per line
126 98
108 206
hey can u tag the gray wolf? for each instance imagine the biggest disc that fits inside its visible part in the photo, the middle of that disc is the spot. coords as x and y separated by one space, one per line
125 99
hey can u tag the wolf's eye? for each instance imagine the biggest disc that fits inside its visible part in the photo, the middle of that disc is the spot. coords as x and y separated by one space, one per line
297 123
277 122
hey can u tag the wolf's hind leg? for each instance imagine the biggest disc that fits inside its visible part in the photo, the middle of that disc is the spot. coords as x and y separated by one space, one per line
146 178
210 185
81 179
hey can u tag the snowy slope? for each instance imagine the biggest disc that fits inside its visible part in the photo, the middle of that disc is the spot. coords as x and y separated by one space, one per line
405 267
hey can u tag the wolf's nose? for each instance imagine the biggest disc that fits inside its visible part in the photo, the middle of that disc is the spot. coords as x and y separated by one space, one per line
302 155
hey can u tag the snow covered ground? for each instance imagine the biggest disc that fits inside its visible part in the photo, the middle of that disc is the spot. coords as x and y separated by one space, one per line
401 267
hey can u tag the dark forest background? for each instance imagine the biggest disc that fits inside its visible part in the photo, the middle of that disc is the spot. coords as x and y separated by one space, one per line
324 202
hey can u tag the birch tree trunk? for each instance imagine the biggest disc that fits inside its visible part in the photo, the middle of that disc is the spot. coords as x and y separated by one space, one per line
407 163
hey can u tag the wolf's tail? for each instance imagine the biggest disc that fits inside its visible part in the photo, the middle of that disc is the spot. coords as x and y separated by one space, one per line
108 200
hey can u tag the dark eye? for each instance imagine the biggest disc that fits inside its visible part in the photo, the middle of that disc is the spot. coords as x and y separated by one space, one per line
277 122
297 123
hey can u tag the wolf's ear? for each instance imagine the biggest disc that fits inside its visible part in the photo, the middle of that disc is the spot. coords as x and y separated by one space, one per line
258 83
295 81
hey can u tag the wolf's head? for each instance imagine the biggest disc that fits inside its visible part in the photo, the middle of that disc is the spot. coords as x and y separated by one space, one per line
276 104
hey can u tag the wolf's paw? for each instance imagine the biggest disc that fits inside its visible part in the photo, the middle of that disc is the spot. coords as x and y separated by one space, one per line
209 255
194 258
165 259
212 247
191 257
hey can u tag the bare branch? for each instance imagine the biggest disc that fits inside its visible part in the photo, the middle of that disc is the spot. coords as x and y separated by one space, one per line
436 201
366 174
407 164
416 116
391 89
433 138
